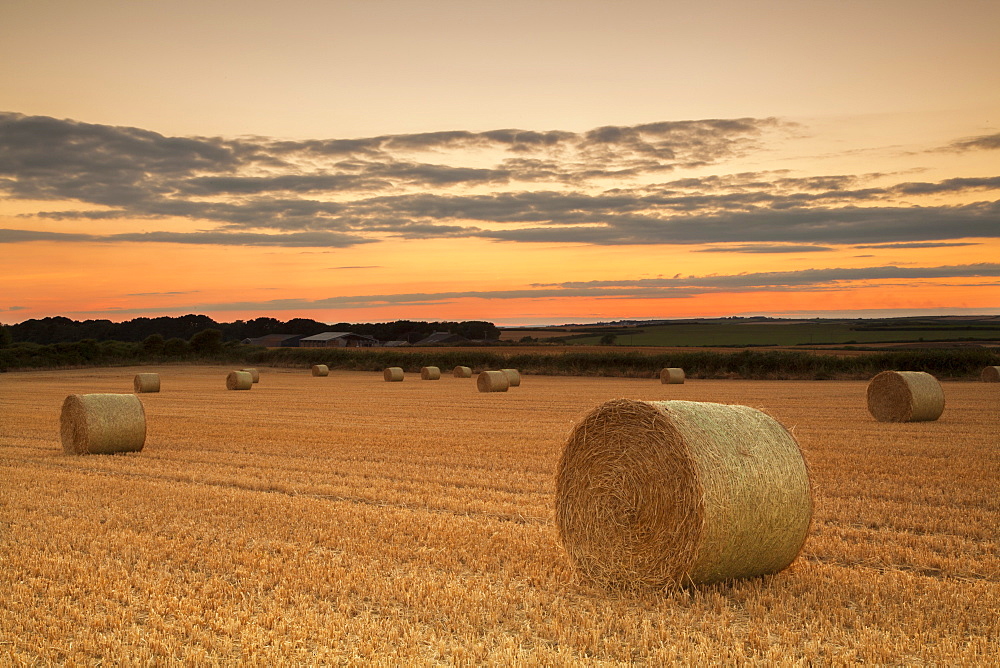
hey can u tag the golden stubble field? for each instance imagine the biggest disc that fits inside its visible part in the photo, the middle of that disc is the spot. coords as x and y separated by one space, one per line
345 520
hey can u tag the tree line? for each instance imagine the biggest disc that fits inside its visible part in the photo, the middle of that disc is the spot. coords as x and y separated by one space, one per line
59 329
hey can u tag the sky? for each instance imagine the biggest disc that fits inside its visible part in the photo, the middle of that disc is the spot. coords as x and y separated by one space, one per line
541 162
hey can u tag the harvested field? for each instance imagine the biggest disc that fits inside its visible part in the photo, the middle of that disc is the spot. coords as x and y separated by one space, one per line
242 533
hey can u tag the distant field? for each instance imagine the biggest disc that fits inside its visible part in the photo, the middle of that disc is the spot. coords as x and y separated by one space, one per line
768 334
345 520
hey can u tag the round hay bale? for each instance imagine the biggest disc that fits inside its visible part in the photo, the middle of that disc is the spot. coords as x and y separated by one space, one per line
430 373
254 374
146 382
493 381
651 494
905 396
462 372
320 370
239 380
513 377
991 374
393 374
102 424
672 376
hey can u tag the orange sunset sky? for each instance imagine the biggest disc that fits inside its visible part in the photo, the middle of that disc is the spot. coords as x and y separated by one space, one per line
519 162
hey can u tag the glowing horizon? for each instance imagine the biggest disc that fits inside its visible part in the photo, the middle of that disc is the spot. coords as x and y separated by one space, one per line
736 180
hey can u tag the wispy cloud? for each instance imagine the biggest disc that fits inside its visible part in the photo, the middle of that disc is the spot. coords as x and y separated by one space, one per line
225 238
919 244
606 186
677 287
980 143
766 249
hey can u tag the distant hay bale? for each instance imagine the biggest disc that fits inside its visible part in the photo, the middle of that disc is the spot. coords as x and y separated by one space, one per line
672 376
430 373
462 372
991 374
651 494
146 382
254 374
513 377
905 396
393 374
239 380
320 370
493 381
102 424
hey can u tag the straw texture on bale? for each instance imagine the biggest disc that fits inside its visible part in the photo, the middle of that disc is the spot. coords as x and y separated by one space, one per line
513 377
672 376
430 373
239 380
320 370
102 424
991 374
905 396
462 372
146 382
492 381
393 374
661 493
254 374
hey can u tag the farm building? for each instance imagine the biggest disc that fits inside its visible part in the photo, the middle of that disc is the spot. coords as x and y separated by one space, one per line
275 341
441 337
338 340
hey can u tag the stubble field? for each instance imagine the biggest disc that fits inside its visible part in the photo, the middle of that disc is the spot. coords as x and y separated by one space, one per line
345 520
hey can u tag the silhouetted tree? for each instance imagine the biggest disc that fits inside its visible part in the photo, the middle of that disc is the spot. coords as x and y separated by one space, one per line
176 347
153 344
207 342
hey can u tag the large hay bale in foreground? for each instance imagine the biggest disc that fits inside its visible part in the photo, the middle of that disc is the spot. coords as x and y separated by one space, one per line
430 373
239 380
672 376
320 370
513 377
102 424
651 494
905 396
991 374
393 374
254 374
462 372
146 382
492 381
